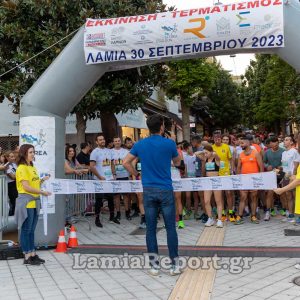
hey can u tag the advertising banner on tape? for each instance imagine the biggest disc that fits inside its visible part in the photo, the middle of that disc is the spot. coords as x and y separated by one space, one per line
241 25
257 181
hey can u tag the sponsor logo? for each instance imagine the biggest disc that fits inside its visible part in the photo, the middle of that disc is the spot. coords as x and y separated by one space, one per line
142 35
223 27
243 22
117 36
36 141
169 33
269 24
95 39
197 31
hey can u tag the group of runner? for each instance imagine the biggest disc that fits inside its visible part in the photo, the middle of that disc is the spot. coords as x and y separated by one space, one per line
220 155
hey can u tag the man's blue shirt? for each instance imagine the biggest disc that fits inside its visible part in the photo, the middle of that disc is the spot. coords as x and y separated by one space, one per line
155 154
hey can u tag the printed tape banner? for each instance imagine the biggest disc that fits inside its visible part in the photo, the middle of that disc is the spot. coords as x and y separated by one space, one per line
258 181
241 25
40 132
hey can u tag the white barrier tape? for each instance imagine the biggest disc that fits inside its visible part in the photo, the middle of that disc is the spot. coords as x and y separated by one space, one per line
257 181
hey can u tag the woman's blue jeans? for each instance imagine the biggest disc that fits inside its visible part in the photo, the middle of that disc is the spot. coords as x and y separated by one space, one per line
27 231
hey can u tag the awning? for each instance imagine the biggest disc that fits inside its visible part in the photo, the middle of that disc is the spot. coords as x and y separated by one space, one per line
175 118
134 119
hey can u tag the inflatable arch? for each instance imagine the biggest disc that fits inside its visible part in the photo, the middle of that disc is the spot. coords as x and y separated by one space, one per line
69 78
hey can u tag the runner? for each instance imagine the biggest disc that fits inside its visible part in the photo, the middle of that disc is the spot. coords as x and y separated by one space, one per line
288 158
118 154
250 161
272 161
224 153
211 166
103 168
190 172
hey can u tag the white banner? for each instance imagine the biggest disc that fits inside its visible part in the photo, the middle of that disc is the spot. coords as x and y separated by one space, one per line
258 181
40 132
241 25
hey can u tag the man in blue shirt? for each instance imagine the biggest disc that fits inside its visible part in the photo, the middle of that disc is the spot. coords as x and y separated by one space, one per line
155 154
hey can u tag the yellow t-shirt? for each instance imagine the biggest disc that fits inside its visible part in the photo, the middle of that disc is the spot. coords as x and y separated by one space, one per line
224 154
30 174
297 203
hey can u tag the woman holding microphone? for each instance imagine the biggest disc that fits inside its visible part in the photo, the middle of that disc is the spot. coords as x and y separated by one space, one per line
27 203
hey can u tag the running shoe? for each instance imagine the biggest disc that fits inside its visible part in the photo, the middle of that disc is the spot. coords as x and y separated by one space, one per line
267 216
210 222
142 225
254 220
282 212
175 270
181 224
224 218
114 220
205 218
238 221
232 218
273 212
196 216
219 224
187 215
154 271
291 220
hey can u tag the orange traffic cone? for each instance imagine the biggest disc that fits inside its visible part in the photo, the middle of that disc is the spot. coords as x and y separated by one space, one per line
61 244
72 242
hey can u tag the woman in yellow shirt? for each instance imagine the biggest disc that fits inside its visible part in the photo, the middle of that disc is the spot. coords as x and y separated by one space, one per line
27 204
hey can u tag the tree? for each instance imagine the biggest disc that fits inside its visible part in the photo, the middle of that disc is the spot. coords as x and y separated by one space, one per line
28 27
224 106
270 93
189 80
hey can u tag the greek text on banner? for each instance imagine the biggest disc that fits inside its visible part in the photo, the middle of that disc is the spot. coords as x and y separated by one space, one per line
242 25
257 181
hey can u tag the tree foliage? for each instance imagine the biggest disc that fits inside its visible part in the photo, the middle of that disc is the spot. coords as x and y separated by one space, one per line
271 87
28 27
225 105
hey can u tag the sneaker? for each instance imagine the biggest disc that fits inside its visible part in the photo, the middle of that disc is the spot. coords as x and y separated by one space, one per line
232 218
202 215
181 225
291 220
175 270
224 218
282 212
98 223
142 225
254 220
114 220
267 216
154 271
205 218
187 215
238 221
196 216
210 222
220 224
36 257
273 212
31 261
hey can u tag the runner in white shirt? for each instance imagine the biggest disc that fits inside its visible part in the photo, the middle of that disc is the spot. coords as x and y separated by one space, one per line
289 157
190 172
103 168
118 155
